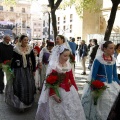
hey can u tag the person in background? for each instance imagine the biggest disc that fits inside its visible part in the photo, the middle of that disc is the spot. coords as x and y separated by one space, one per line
16 40
42 46
37 72
90 44
93 51
117 56
6 53
20 91
117 50
73 46
44 60
83 51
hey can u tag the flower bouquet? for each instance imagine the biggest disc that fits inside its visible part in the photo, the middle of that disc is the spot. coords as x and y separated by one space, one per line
7 69
97 88
72 58
53 81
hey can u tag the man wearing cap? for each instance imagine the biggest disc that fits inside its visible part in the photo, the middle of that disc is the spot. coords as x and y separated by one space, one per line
6 52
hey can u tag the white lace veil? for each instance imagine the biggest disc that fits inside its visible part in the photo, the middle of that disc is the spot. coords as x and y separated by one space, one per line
67 44
54 58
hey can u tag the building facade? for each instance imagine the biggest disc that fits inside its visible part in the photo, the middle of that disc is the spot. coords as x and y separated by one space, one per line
18 14
90 25
21 17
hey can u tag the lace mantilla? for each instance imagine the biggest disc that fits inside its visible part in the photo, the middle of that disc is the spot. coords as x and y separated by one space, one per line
18 49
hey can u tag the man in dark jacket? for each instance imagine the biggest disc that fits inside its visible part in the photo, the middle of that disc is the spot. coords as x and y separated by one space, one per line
6 52
93 52
83 51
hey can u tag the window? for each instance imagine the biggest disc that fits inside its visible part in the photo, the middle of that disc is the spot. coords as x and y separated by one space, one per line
23 24
44 23
64 28
58 18
1 7
71 17
11 9
58 23
58 28
64 19
23 10
34 29
34 23
70 28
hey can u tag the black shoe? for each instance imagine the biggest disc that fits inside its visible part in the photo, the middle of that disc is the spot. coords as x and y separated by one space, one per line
1 92
84 73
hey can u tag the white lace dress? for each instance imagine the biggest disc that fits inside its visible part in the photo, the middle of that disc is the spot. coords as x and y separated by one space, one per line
69 109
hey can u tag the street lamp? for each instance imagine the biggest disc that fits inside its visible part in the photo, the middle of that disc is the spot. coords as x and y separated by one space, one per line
49 10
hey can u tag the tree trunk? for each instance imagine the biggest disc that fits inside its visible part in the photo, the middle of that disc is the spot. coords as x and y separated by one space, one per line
111 21
54 7
54 24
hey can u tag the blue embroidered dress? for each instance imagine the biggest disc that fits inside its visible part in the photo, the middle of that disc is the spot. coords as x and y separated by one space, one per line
105 72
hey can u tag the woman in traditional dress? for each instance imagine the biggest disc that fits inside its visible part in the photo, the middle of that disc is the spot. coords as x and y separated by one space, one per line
61 41
20 92
44 60
104 70
37 72
67 106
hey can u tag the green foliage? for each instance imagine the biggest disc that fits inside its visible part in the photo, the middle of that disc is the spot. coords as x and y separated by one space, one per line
90 5
9 2
13 2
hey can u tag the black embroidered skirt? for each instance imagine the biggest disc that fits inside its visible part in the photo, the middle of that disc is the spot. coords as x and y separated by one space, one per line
20 93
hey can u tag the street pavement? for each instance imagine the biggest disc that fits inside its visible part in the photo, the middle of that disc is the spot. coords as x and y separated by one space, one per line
8 113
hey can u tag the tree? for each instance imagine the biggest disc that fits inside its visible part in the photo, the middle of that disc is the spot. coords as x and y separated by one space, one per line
9 2
54 5
111 20
80 5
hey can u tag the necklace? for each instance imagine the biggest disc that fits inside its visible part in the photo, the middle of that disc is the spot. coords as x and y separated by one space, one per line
62 64
24 49
109 58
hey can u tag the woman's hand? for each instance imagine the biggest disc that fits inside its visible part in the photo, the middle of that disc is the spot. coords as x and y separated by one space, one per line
56 98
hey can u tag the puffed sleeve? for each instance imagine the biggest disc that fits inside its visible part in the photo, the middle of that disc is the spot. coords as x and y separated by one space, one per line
115 76
95 68
72 80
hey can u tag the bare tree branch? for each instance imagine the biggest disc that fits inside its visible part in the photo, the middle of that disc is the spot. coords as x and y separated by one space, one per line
56 5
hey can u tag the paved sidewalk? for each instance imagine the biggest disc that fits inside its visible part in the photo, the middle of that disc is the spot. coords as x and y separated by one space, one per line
8 113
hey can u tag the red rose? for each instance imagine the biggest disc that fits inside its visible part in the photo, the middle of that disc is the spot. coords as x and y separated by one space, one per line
97 84
6 61
51 79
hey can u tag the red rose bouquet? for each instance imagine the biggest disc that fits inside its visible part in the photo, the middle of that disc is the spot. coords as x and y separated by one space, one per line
72 58
6 67
53 81
97 88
